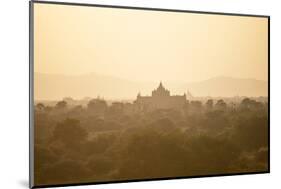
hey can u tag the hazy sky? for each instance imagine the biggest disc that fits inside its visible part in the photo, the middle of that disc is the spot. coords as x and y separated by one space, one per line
148 45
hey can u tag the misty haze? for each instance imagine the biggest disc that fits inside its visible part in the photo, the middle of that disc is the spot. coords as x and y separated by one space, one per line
58 86
130 95
153 136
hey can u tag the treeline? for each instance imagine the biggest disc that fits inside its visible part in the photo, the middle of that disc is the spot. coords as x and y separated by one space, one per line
103 142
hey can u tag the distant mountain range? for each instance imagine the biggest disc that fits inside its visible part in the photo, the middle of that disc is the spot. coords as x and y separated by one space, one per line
57 86
228 86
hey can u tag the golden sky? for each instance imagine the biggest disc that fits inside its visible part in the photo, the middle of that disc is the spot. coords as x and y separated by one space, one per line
148 45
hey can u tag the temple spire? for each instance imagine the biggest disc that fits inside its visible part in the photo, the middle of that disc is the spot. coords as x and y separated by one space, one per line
160 85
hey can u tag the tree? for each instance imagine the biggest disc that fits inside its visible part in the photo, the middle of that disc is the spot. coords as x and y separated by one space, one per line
247 103
97 106
115 110
209 104
69 132
196 106
40 106
220 105
61 104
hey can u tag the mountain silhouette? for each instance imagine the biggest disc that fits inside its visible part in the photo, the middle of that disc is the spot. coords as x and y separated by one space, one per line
228 86
58 86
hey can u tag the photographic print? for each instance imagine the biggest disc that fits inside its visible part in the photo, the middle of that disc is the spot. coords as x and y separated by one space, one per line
124 94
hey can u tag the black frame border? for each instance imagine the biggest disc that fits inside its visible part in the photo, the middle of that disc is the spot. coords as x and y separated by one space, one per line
31 90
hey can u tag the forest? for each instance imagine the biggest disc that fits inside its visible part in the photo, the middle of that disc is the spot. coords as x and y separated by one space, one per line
101 141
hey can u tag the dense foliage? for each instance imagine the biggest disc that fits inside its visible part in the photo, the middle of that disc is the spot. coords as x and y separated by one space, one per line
104 142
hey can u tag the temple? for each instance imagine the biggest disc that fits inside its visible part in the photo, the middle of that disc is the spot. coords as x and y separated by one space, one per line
160 99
